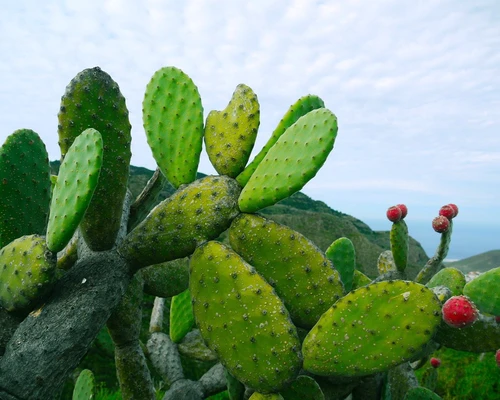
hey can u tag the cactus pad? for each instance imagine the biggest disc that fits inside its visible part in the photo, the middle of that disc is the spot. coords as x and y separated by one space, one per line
293 160
181 316
77 180
93 100
167 279
27 272
24 180
269 396
484 291
230 134
85 388
385 262
400 244
343 256
173 121
301 107
303 388
359 279
242 319
372 329
452 278
421 393
299 272
198 212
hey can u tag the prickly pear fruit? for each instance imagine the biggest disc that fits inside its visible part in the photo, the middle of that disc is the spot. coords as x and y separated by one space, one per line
198 212
455 208
342 342
435 362
385 262
301 107
303 388
181 316
440 224
400 244
242 319
93 100
24 186
77 180
343 256
293 160
230 134
85 388
404 210
484 291
394 214
27 272
299 272
447 211
173 121
421 393
459 312
452 278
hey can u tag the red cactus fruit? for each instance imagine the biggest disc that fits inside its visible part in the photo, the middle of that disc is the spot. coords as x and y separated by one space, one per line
497 319
435 362
440 224
447 211
459 312
455 208
497 357
394 213
404 210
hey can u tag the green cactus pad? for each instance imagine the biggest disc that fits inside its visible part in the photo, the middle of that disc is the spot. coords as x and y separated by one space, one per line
452 278
372 329
343 256
93 100
293 160
181 316
85 388
303 388
235 389
359 279
173 121
27 272
297 269
199 212
301 107
400 244
270 396
421 393
24 186
385 262
77 180
167 279
484 291
230 134
242 319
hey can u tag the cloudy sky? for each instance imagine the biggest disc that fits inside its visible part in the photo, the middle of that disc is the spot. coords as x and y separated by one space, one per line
415 87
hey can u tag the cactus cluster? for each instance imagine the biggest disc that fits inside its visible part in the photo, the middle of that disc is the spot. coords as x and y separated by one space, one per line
275 316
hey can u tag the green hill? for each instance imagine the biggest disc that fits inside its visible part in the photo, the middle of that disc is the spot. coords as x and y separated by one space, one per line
480 262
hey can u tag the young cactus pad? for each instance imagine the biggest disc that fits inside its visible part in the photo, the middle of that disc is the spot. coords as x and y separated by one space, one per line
173 120
452 278
230 134
293 160
93 100
181 316
77 180
198 212
85 388
27 272
24 186
343 256
372 329
400 244
303 388
242 319
484 291
299 272
301 107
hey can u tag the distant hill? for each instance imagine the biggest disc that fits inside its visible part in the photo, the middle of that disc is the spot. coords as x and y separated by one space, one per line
480 262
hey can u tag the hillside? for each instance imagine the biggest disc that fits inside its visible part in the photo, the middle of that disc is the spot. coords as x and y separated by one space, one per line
480 262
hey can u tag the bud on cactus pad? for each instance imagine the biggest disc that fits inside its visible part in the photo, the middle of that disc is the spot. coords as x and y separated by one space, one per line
404 210
447 211
394 214
435 362
440 224
459 312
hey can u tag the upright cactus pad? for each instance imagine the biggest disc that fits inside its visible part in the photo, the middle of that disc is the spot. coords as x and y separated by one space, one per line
299 272
372 329
173 121
27 272
24 186
400 244
93 100
292 161
85 388
242 319
230 134
181 316
77 180
301 107
385 262
484 291
452 278
197 213
343 256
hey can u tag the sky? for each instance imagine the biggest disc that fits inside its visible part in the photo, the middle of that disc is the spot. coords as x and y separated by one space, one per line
415 87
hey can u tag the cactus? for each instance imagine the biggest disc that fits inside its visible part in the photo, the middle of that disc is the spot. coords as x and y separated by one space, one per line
85 388
483 291
343 256
181 316
452 278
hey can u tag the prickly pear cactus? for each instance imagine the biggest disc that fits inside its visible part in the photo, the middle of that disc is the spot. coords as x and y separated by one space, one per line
421 393
484 291
400 244
303 388
451 278
343 256
385 262
85 388
93 100
181 316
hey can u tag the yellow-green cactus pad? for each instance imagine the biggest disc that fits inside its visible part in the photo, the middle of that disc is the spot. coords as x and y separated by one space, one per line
198 212
385 262
230 134
372 329
242 319
181 316
93 100
269 396
297 269
359 279
293 160
452 278
24 186
77 180
172 115
300 108
484 291
85 388
27 272
343 256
